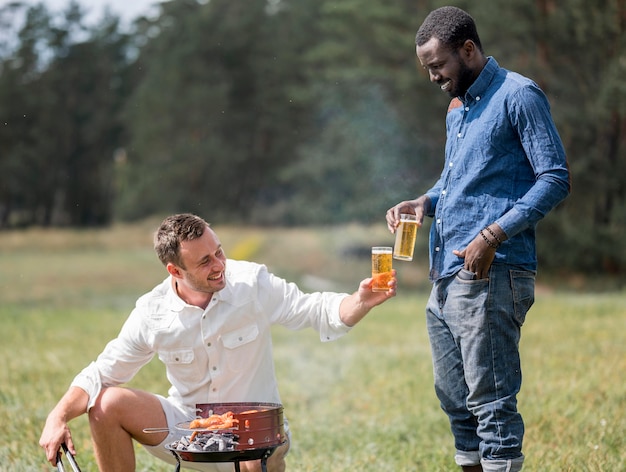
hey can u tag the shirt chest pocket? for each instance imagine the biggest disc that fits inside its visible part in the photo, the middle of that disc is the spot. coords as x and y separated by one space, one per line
180 356
181 365
240 346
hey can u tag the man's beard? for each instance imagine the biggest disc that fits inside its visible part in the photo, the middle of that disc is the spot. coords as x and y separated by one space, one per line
464 80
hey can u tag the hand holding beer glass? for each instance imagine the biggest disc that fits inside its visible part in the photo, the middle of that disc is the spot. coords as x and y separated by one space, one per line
381 268
406 233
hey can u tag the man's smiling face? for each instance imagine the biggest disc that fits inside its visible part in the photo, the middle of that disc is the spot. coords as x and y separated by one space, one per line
446 67
205 263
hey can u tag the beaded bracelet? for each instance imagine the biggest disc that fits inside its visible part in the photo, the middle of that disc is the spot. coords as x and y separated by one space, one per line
494 235
489 243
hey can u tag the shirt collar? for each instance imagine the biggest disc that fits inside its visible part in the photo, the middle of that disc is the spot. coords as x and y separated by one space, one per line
226 293
234 293
178 304
173 300
480 85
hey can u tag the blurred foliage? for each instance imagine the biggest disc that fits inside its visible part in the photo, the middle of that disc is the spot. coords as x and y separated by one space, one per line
278 112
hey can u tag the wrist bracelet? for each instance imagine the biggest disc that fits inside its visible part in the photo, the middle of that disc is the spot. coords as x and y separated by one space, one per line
489 243
494 235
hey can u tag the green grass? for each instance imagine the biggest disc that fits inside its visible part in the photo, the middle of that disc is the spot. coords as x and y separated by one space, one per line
362 403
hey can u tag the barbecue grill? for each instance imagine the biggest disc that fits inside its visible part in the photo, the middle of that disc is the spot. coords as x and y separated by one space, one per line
258 431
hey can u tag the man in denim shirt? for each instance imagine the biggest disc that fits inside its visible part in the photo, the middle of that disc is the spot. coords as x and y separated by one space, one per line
505 169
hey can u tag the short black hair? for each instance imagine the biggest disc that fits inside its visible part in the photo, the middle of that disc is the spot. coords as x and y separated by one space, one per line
450 25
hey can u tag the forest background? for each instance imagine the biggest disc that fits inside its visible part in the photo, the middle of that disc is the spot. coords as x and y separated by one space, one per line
286 113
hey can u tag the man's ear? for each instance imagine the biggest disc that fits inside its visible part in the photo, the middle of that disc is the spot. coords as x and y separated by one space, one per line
469 49
174 270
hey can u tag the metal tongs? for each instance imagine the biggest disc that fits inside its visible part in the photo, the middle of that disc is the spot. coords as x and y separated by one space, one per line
70 458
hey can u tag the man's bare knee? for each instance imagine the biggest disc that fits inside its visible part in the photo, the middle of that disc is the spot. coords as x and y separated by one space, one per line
105 406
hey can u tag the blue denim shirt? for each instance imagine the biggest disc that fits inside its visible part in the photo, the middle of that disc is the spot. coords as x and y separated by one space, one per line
504 163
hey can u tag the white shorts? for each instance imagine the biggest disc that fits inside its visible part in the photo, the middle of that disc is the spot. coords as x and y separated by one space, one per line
175 415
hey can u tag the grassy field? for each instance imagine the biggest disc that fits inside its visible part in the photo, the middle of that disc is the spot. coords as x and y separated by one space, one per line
363 403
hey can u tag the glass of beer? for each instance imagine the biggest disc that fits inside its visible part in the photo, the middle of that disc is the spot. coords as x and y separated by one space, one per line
381 268
405 238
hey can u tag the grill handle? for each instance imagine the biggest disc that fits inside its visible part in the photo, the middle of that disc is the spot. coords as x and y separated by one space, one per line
60 466
70 459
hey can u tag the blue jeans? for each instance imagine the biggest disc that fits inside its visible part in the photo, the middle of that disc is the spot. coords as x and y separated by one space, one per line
474 329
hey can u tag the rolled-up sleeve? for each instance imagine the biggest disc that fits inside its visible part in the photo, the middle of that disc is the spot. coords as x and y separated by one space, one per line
89 380
118 363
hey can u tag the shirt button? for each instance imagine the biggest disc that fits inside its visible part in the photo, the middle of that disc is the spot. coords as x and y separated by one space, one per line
437 249
443 192
214 368
458 135
466 108
477 99
451 164
438 221
208 344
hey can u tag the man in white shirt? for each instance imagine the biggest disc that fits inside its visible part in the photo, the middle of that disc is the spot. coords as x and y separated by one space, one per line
209 322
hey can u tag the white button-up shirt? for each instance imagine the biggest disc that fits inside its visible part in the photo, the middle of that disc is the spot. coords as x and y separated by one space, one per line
221 354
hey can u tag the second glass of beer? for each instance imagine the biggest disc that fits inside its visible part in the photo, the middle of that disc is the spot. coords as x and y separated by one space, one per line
381 268
405 238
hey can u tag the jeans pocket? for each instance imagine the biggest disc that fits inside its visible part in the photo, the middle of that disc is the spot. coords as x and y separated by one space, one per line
465 274
523 287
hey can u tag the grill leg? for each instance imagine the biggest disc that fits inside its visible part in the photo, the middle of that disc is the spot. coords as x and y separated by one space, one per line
237 468
177 461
